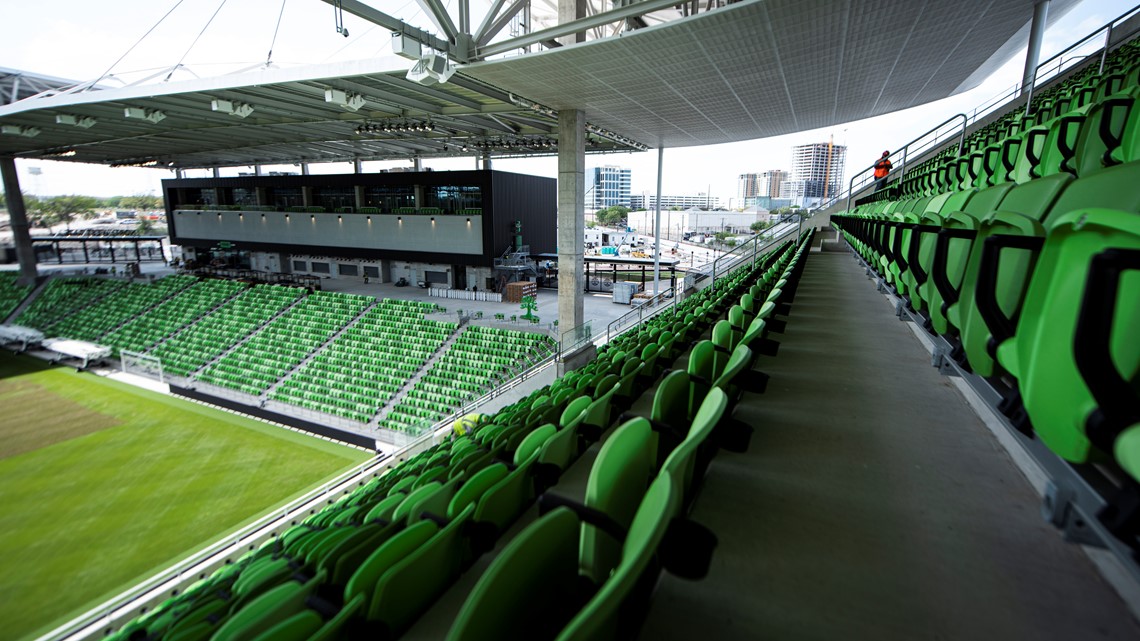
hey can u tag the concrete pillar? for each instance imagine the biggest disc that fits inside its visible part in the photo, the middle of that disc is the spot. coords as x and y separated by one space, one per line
257 170
657 224
569 11
571 217
417 164
217 172
359 189
1033 51
486 161
20 234
304 169
358 167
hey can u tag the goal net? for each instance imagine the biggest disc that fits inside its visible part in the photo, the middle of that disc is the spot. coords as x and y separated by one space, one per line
142 365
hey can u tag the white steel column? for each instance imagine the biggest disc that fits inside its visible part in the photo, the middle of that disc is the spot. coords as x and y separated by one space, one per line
657 224
1033 51
571 217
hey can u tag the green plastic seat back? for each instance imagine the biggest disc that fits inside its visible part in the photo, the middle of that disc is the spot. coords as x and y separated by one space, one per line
384 508
600 618
1129 148
434 502
416 581
671 401
332 628
1110 188
1011 279
1102 134
1029 150
298 627
533 442
1040 354
474 488
1127 451
957 255
1020 210
573 410
617 481
405 507
528 583
599 412
724 337
736 317
363 581
754 332
258 615
502 503
343 562
738 362
1060 144
681 462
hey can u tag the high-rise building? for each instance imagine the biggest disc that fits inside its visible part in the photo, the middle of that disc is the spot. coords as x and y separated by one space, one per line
608 186
765 184
649 201
819 166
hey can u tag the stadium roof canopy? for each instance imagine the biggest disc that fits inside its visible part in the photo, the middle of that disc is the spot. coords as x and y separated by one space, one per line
647 74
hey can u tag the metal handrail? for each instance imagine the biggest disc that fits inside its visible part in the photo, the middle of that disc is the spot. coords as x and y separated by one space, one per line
1059 56
906 151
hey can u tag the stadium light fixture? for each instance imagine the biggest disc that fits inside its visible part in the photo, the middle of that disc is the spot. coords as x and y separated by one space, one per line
85 122
348 100
239 109
20 130
150 115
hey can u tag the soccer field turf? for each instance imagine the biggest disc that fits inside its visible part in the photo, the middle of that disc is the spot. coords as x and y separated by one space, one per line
102 483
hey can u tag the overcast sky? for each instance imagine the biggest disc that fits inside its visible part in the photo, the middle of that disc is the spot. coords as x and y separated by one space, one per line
83 40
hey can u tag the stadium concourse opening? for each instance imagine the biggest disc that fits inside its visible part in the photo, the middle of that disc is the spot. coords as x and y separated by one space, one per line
766 452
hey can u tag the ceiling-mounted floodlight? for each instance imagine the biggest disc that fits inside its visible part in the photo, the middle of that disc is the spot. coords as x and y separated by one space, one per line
431 69
239 109
350 101
19 130
66 153
76 121
151 115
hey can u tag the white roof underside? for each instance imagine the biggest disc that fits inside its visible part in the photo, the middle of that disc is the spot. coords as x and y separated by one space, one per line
749 70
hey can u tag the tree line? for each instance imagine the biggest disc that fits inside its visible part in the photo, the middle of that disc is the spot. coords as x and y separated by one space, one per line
55 210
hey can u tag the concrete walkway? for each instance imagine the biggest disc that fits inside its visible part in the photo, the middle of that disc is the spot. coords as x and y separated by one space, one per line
873 503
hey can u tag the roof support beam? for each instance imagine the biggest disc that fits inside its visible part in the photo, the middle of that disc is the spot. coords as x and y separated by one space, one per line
439 16
361 10
503 20
569 28
489 18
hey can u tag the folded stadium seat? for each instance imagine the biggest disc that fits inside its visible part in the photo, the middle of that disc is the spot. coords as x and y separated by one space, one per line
689 460
533 589
1074 354
952 250
1110 188
1019 213
1128 149
502 503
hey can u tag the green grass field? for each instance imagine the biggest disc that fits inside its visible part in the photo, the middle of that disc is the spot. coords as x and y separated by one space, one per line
102 483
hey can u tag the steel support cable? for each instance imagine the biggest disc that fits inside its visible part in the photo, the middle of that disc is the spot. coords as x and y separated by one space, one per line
132 48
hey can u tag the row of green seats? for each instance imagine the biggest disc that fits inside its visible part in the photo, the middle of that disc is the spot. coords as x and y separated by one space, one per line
95 321
371 562
205 340
172 315
11 294
1031 283
63 296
